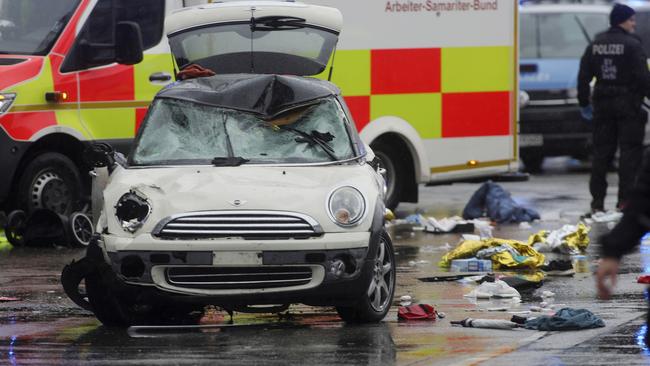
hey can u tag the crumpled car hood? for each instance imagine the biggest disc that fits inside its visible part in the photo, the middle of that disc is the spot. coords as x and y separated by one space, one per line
297 189
263 95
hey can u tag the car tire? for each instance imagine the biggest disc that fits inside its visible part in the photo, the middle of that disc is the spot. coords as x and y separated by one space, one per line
377 298
389 159
52 181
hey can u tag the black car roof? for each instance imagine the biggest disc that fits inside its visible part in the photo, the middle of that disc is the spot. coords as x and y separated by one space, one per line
266 95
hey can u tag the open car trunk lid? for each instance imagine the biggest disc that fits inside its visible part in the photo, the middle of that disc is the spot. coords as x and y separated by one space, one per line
267 37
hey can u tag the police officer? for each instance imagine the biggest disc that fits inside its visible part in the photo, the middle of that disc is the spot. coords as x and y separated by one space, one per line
617 61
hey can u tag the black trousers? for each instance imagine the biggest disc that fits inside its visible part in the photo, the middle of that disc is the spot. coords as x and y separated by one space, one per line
618 122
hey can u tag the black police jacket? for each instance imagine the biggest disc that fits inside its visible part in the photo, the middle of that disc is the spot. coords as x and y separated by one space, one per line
636 218
618 62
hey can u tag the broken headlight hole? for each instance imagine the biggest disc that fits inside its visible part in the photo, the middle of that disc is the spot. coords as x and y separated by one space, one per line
132 211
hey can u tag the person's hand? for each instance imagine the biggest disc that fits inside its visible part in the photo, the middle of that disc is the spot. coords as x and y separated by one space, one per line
607 270
587 112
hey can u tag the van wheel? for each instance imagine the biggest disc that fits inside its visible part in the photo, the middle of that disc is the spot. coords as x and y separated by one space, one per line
51 181
389 159
376 300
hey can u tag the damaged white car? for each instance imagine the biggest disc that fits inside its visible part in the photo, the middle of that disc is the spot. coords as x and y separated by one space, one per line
242 190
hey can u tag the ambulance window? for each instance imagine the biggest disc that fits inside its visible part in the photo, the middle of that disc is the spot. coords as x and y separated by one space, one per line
100 28
149 14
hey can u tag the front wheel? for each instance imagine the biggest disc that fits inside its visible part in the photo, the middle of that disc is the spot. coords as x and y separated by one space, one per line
374 303
52 181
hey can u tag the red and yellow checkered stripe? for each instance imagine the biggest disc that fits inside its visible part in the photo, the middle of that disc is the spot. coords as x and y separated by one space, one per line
441 92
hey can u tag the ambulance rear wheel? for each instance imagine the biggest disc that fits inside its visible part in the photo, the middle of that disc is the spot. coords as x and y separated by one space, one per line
51 181
389 160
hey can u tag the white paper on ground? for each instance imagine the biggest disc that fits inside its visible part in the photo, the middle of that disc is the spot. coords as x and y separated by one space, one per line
497 288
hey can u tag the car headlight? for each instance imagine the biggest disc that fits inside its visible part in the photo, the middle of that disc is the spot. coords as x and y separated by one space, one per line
6 100
346 206
132 211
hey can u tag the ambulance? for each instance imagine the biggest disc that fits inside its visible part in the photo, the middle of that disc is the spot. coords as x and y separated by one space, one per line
431 91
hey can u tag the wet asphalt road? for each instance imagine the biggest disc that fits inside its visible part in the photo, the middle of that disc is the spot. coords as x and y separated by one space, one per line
44 328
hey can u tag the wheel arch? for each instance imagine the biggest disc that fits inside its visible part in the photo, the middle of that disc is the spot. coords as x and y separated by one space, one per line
396 132
63 143
400 130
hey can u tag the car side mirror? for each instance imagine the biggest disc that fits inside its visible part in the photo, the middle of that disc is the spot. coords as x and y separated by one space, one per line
378 166
128 43
99 155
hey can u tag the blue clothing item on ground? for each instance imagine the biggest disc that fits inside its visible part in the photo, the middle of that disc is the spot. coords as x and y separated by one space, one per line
566 319
493 200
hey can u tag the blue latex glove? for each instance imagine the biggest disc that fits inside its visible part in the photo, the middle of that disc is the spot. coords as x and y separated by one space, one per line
587 112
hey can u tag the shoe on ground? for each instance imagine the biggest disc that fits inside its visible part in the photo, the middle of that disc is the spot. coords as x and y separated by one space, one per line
559 268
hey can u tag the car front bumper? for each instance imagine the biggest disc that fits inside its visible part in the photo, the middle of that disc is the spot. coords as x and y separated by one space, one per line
236 273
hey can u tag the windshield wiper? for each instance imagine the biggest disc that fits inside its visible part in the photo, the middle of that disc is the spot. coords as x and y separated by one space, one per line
315 138
583 29
229 161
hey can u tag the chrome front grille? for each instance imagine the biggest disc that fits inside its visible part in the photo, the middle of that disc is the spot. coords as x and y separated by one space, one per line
244 224
238 278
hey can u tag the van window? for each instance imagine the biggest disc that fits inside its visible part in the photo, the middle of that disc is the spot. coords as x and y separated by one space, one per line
30 27
559 35
100 27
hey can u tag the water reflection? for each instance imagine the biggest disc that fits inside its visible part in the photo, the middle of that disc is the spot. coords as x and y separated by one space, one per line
641 341
323 343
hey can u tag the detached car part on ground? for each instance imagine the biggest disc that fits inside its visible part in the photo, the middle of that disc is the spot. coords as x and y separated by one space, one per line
241 190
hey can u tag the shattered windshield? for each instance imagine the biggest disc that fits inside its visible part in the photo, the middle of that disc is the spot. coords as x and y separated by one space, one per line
30 27
181 132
